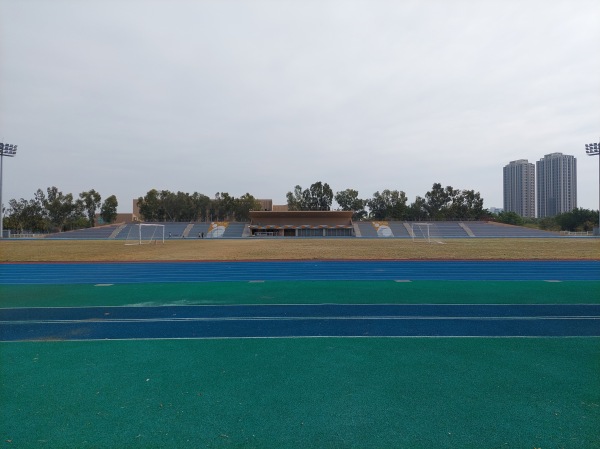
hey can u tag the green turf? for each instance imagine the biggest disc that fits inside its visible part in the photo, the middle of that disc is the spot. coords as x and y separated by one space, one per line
315 292
302 393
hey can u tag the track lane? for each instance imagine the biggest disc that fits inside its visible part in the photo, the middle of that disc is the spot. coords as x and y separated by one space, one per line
328 320
151 272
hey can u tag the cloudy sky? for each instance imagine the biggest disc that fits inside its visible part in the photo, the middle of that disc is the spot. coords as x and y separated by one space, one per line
260 96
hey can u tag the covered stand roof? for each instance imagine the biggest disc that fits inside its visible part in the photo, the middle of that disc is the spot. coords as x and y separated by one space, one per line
323 219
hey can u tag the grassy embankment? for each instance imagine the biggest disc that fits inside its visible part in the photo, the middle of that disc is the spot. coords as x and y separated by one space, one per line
301 249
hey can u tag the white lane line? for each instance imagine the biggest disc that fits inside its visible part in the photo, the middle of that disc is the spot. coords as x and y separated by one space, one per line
301 318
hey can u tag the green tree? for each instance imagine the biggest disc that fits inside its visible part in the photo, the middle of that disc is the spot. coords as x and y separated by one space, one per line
243 205
200 206
25 216
438 201
348 200
150 206
91 202
223 206
108 210
318 196
63 212
295 199
388 205
578 219
466 205
511 218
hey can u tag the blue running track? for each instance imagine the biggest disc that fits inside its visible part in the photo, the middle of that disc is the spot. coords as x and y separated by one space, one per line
149 272
328 320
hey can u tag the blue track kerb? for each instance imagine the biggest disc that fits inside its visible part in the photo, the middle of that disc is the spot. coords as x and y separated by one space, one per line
153 272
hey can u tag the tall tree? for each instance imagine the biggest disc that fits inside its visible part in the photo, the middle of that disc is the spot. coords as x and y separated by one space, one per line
200 206
438 201
388 205
295 200
417 210
318 196
63 212
91 202
223 206
150 206
466 205
243 205
348 200
25 215
108 211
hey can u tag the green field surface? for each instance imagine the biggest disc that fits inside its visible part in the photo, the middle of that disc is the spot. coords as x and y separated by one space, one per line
302 393
302 292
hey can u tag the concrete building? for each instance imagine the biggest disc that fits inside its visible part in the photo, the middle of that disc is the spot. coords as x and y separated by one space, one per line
556 184
519 188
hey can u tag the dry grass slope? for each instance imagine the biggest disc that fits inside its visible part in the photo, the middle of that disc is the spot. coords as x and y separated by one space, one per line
301 249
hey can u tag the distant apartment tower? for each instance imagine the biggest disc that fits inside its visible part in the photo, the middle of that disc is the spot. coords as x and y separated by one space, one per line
556 184
519 188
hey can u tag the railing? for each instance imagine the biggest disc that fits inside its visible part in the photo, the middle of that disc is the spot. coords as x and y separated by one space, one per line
576 233
26 236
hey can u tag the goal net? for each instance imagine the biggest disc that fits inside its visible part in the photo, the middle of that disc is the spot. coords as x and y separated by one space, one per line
425 232
145 233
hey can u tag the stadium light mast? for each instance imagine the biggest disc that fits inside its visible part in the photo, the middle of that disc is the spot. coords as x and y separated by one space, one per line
7 150
593 149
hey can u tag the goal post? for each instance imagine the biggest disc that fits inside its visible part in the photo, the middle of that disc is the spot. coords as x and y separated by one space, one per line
425 232
145 233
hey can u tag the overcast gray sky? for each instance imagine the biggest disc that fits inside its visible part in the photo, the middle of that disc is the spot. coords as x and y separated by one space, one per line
259 96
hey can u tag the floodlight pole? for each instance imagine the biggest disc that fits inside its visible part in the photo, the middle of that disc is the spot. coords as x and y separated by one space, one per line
7 150
593 149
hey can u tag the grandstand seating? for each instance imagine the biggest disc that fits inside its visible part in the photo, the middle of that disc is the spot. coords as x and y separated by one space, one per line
447 230
234 230
493 230
100 232
366 229
399 229
198 229
172 230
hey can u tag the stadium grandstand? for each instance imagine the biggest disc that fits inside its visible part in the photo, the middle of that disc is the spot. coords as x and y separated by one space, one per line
295 227
273 221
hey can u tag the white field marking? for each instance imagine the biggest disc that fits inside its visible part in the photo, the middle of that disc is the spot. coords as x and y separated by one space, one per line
552 280
103 285
256 282
298 337
428 304
331 318
402 280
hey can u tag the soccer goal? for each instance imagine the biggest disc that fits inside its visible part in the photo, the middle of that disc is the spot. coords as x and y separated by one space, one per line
425 232
144 233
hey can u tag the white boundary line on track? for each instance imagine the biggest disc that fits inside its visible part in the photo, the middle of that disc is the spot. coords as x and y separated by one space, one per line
134 306
299 337
301 318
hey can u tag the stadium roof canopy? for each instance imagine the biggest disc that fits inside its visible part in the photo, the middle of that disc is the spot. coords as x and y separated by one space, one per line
301 218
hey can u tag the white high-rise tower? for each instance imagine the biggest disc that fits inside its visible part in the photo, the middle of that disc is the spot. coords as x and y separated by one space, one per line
519 188
556 184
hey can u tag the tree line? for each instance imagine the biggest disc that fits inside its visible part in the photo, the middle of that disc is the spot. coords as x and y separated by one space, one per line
54 211
164 205
440 203
577 220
